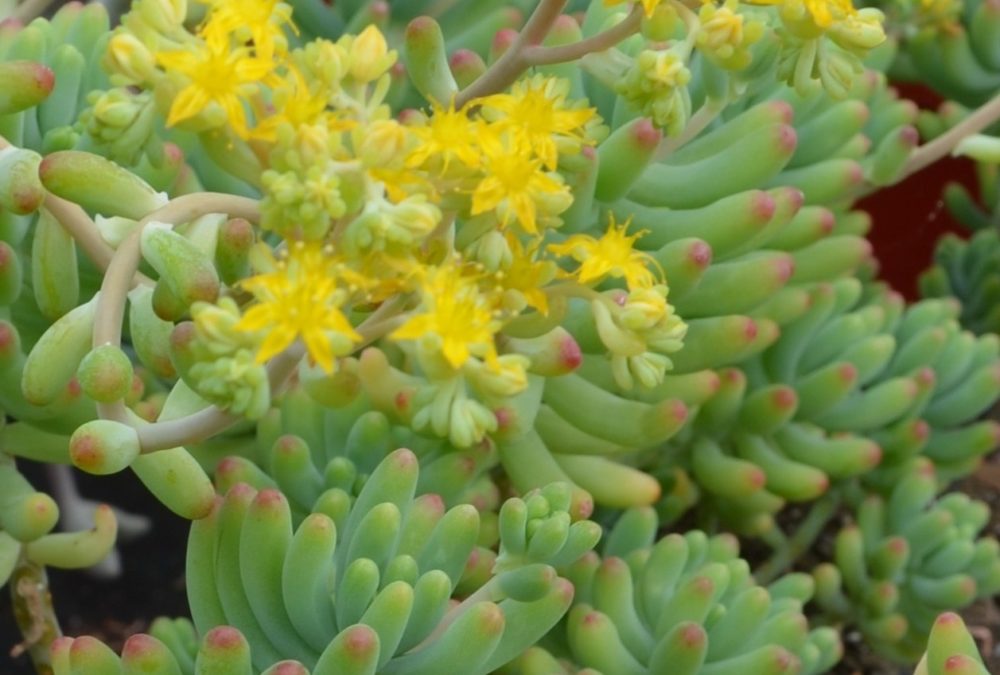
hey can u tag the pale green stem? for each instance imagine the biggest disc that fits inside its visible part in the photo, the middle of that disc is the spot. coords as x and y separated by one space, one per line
125 263
212 420
83 230
208 422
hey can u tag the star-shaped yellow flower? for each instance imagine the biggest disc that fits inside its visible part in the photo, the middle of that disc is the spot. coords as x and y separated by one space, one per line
300 299
536 114
456 314
611 255
215 74
514 184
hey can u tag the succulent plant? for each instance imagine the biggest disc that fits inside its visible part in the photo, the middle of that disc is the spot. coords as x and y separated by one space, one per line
951 649
577 257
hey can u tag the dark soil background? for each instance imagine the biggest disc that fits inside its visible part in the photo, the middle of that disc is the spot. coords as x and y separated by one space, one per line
151 585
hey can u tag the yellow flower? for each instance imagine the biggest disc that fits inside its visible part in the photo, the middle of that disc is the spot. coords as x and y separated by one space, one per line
297 104
449 134
535 113
821 13
514 183
648 5
526 274
300 298
611 255
258 20
456 315
825 12
216 76
369 54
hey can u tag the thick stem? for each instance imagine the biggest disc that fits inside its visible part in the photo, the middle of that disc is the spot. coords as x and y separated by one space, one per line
212 420
544 56
85 233
927 154
509 67
125 263
35 616
802 540
79 225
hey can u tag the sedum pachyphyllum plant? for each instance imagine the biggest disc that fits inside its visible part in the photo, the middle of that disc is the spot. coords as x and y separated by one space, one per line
473 336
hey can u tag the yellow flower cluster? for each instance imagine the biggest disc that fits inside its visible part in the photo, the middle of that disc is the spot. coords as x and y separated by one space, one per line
430 229
854 30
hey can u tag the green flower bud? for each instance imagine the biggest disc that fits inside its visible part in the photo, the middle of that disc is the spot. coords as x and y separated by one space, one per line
121 121
383 225
656 85
301 204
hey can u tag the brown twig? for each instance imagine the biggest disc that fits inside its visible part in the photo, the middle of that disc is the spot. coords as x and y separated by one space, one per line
35 616
927 154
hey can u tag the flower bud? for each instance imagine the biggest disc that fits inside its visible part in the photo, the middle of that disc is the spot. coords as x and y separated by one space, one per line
129 60
656 85
369 56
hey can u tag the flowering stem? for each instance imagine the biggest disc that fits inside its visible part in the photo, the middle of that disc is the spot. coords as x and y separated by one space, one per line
509 67
544 56
212 420
125 263
83 230
929 153
381 322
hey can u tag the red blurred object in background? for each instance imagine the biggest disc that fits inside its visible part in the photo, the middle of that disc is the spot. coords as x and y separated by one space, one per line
909 218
